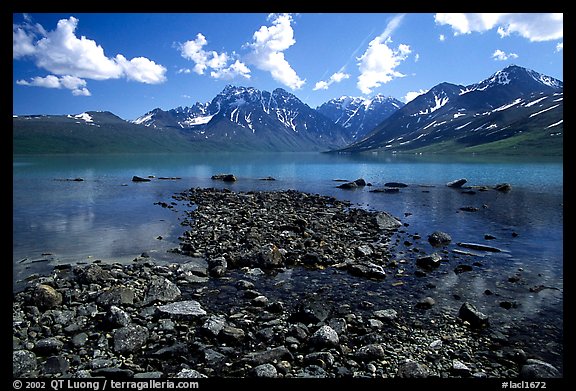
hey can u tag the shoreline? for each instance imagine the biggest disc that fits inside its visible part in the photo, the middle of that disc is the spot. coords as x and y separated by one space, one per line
276 286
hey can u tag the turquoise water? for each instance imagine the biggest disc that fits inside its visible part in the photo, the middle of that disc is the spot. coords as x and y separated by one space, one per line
107 216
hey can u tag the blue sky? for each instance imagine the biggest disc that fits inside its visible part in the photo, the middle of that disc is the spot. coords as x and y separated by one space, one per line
131 63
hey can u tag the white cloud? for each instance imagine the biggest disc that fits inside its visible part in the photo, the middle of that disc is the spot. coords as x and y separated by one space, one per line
335 78
268 46
61 52
211 60
378 63
535 27
142 70
76 85
442 38
500 55
411 95
560 47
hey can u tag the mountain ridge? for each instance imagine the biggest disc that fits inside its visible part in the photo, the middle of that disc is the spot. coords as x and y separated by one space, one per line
514 103
462 117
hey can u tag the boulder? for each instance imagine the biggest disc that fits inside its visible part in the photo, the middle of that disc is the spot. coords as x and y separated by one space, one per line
458 183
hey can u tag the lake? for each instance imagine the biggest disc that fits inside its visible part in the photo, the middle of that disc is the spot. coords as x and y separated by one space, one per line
108 217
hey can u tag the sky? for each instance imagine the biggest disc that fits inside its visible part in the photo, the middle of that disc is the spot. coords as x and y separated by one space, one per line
132 63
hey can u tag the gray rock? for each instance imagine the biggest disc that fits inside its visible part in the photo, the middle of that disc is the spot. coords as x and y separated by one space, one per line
458 183
412 369
130 339
259 301
23 363
339 325
386 221
370 352
439 238
310 312
312 371
264 370
387 314
188 309
48 346
213 325
232 335
459 368
270 257
481 247
224 177
214 358
217 266
348 185
117 295
503 187
93 274
363 251
429 262
426 303
161 289
46 297
118 317
190 374
56 364
537 369
137 178
367 270
267 356
322 359
80 339
470 314
324 337
395 184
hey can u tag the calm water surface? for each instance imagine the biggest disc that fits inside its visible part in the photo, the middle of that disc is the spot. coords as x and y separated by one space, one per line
107 216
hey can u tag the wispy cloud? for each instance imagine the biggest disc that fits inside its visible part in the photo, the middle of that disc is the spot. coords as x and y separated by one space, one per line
335 78
216 63
62 53
535 27
560 47
379 62
500 55
267 50
76 85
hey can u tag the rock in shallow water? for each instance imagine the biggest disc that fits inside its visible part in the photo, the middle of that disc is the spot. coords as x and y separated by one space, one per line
188 309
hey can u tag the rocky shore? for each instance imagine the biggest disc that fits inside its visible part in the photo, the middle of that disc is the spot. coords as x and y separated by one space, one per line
278 284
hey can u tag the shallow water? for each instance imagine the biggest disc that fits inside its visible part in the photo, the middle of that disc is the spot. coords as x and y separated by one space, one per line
107 216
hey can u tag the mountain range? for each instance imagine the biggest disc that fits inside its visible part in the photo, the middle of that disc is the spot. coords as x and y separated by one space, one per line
516 110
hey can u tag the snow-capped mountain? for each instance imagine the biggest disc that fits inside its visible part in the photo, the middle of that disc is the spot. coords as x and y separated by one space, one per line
359 115
180 117
247 118
513 102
